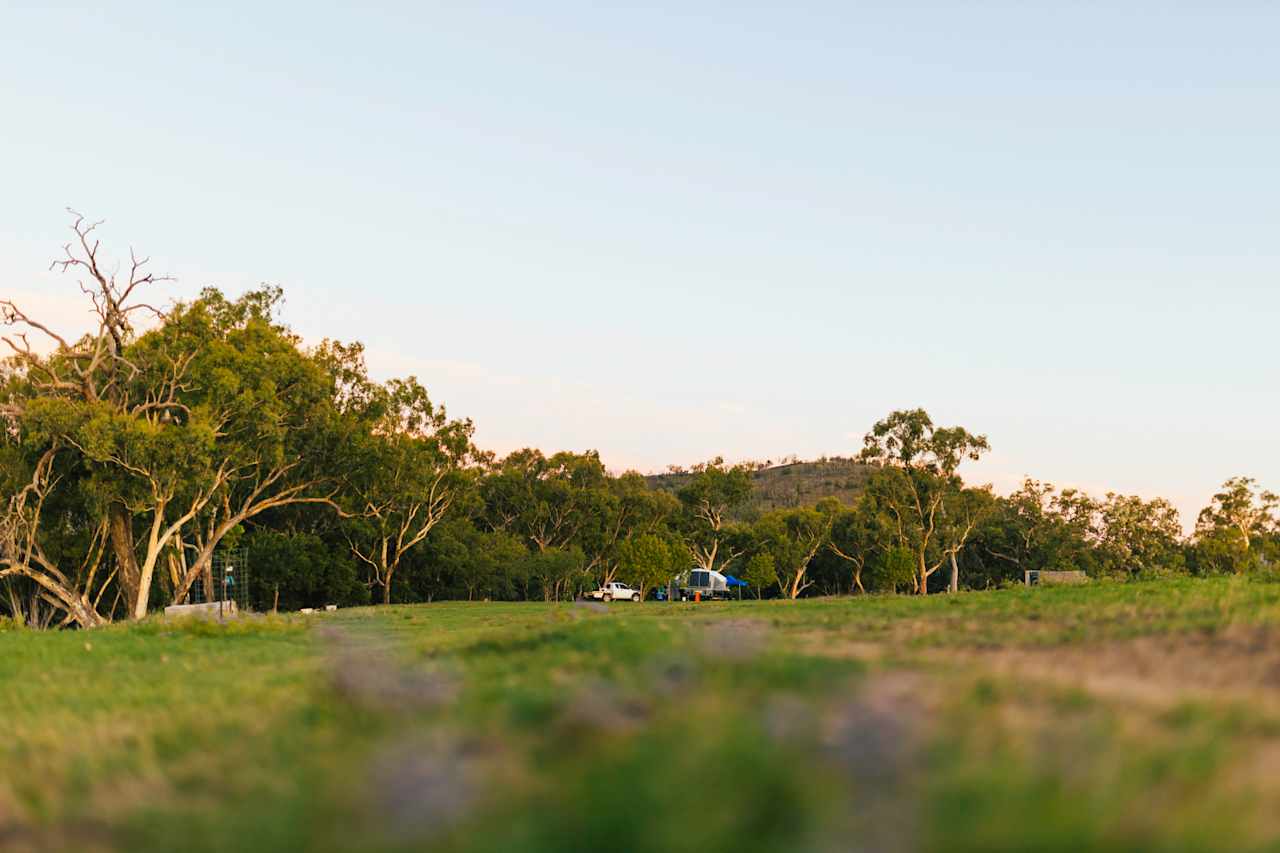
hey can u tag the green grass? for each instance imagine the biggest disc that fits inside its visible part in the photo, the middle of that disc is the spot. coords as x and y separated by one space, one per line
1053 719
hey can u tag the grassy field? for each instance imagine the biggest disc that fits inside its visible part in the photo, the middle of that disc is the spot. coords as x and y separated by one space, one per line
1113 717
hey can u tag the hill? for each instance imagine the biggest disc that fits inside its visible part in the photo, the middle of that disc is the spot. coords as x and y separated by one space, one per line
791 484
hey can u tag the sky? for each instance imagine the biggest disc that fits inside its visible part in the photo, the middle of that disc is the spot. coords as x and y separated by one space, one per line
680 230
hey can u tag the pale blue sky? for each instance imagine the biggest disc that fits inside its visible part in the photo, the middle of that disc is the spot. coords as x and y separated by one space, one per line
677 231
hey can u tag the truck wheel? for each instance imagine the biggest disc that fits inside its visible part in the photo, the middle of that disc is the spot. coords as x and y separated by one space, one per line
608 596
635 597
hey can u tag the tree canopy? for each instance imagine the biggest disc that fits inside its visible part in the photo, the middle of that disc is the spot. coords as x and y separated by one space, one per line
136 452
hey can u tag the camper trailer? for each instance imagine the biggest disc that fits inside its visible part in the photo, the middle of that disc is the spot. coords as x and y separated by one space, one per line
703 584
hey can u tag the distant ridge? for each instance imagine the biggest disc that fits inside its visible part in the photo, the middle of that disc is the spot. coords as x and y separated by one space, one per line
790 484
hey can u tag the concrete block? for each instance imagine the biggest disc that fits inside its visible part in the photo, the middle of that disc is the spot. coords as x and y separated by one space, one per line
207 610
1039 578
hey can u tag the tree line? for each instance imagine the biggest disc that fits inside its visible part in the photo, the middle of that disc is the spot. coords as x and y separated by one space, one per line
133 454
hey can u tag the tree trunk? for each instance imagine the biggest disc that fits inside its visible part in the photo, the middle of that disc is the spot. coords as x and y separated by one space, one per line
145 573
386 587
77 605
796 582
922 580
955 574
120 528
210 594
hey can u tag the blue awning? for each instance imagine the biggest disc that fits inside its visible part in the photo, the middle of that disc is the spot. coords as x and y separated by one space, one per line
732 581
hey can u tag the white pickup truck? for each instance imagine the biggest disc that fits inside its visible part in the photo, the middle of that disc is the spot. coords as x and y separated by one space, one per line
615 592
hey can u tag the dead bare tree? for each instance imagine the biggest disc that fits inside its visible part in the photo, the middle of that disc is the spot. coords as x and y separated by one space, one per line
94 369
22 553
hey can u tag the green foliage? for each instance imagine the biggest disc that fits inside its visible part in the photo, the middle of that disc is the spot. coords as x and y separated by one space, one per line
132 455
557 572
892 569
792 538
857 534
1137 536
761 573
549 502
714 489
411 468
1222 551
1237 530
918 485
476 561
188 430
303 569
908 440
648 561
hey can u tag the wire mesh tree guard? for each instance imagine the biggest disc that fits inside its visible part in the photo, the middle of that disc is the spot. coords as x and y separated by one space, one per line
227 579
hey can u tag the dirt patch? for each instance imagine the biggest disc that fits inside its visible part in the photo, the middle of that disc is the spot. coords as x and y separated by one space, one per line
1237 663
736 639
423 784
364 674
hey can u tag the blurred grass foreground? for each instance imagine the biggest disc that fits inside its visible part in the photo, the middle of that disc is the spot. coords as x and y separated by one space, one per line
1141 716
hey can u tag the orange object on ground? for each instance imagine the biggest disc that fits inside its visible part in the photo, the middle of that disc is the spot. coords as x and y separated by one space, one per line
697 596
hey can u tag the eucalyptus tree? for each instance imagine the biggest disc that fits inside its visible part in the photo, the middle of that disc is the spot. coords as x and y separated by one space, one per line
918 463
858 533
294 569
962 515
475 560
1018 533
792 538
179 428
549 502
51 554
1138 536
629 510
556 571
648 560
81 398
1229 530
412 466
760 573
1040 527
281 436
150 459
714 490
